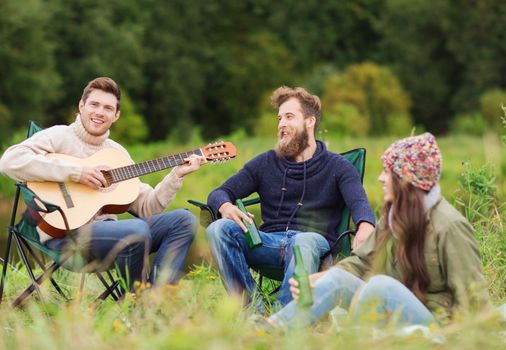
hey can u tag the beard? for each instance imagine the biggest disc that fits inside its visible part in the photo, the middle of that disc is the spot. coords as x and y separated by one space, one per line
295 146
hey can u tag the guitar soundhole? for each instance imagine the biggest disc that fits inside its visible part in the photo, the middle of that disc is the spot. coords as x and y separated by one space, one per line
112 186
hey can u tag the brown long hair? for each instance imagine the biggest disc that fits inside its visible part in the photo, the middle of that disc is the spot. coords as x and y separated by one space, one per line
410 226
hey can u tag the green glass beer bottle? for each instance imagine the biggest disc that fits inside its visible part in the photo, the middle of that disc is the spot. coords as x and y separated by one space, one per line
301 275
252 236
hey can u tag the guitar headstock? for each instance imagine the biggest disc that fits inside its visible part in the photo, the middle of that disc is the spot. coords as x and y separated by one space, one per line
219 151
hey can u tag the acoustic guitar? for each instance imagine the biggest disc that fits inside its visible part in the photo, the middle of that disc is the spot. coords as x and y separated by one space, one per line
80 203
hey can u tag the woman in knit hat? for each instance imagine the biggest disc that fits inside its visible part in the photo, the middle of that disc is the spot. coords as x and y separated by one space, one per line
421 263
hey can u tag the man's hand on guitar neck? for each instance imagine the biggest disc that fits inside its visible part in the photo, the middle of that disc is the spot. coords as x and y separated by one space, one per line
93 177
192 163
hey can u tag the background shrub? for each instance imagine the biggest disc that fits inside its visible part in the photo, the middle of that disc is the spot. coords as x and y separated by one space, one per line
490 106
375 92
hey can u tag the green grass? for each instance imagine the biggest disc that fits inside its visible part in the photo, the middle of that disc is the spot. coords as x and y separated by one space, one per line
198 313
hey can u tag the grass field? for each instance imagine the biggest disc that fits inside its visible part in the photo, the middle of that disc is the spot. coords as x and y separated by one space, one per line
198 313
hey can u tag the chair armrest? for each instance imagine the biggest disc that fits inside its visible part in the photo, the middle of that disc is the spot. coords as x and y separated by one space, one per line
328 258
342 235
207 215
251 201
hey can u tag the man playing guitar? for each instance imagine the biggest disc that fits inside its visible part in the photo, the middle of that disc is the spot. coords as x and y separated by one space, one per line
168 234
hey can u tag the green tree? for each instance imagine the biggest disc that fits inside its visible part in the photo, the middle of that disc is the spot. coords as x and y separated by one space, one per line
96 38
446 53
29 82
344 118
252 69
175 49
316 32
375 92
474 33
414 44
132 128
208 66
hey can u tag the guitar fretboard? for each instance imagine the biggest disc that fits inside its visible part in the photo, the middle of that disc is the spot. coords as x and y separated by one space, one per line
147 167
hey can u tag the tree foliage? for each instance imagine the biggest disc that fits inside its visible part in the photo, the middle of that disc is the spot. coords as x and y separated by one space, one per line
207 64
380 102
491 102
28 80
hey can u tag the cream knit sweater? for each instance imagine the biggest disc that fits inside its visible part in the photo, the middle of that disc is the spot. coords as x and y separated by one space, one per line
27 162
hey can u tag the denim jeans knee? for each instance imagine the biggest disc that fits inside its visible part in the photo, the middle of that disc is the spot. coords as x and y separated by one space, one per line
390 296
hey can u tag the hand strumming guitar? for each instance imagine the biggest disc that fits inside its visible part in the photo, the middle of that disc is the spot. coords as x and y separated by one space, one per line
93 177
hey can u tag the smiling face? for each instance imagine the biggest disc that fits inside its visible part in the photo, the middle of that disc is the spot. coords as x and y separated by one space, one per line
293 135
386 179
98 112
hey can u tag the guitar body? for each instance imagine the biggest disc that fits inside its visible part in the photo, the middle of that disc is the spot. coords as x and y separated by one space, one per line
81 203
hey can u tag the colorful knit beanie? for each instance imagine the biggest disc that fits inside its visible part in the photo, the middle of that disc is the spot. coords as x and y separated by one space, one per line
416 159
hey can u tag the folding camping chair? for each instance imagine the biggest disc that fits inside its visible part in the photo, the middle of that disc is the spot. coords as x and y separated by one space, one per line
27 242
342 246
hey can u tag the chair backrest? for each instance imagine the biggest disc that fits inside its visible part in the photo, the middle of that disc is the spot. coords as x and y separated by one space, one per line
33 128
357 158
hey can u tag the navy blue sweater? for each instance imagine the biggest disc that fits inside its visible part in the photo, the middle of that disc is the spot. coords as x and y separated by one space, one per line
305 196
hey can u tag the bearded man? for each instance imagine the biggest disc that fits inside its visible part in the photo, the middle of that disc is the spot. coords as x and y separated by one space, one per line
302 187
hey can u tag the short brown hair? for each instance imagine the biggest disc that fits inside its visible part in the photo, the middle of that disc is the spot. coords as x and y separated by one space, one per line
105 84
310 104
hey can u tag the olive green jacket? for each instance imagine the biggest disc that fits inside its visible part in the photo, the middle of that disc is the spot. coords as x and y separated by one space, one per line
452 257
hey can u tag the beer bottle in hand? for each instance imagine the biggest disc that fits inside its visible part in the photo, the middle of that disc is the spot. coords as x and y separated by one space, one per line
252 236
301 275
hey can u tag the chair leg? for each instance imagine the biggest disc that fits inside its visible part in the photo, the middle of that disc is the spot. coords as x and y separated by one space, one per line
109 289
43 267
119 292
29 290
275 290
27 265
5 263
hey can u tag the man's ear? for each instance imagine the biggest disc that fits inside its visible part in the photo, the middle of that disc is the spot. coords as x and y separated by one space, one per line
81 106
116 117
311 121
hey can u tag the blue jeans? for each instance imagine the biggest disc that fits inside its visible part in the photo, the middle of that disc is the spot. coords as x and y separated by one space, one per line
169 235
234 258
342 289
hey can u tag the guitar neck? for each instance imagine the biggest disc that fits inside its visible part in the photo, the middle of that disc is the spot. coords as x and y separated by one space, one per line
148 167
